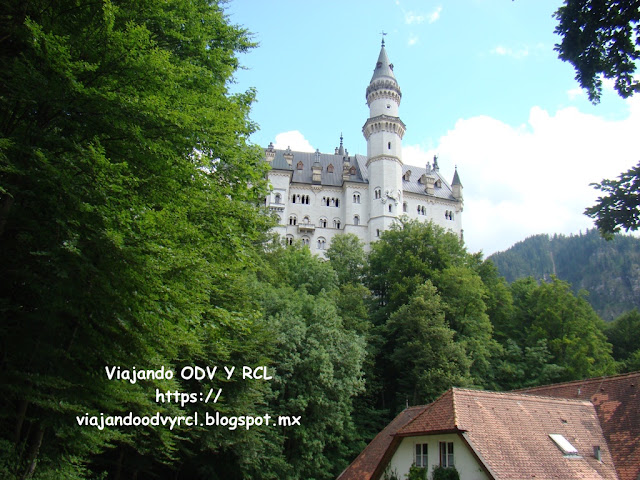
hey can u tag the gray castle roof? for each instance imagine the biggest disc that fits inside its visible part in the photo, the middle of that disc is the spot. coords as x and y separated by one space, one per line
361 175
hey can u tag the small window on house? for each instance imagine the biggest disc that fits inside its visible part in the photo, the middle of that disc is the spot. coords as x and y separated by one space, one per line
300 165
407 176
389 208
278 198
405 207
293 220
356 220
289 240
337 202
377 232
322 243
336 223
422 458
389 145
323 223
305 241
330 168
306 220
352 171
446 454
377 193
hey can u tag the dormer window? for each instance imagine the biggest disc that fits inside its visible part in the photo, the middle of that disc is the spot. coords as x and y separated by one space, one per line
407 176
330 168
352 171
300 165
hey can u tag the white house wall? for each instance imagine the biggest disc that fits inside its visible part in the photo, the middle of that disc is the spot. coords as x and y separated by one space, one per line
464 460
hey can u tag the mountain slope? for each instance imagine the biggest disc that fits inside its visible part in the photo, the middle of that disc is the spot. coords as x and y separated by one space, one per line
608 270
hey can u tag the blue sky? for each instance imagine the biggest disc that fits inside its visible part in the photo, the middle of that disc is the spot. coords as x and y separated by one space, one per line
482 87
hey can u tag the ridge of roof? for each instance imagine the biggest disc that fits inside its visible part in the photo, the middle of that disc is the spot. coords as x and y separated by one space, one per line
590 381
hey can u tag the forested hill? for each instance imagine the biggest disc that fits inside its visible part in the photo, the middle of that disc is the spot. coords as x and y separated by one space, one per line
608 270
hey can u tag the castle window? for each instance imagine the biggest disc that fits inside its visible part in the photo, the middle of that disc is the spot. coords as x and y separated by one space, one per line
356 198
305 241
293 220
289 240
405 207
306 220
322 243
356 220
305 199
330 168
438 183
352 171
337 202
389 208
278 198
389 145
323 223
377 193
377 232
336 223
300 165
424 212
328 200
407 176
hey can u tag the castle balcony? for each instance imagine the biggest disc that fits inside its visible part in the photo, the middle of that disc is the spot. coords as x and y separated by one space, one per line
278 207
306 228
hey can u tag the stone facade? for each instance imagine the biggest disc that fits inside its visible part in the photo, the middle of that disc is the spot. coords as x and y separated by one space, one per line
318 195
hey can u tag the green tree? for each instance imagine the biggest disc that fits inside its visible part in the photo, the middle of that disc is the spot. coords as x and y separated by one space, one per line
347 258
624 335
572 329
318 369
600 38
426 359
128 199
620 207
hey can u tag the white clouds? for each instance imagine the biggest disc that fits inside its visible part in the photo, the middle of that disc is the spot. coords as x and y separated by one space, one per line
293 139
435 15
413 40
510 52
412 18
520 181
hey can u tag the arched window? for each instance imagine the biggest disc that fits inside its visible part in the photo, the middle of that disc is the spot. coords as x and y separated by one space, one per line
337 202
330 168
293 220
305 241
306 220
278 198
389 208
424 212
377 232
352 171
322 243
306 199
300 164
289 240
328 201
336 223
377 193
323 223
356 220
356 198
405 207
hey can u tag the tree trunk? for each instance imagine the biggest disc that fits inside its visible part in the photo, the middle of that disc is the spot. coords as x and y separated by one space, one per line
32 458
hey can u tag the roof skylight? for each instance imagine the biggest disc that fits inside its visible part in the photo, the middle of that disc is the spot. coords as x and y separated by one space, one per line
563 444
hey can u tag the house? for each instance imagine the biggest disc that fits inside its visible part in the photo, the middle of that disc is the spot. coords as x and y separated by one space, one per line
490 435
319 195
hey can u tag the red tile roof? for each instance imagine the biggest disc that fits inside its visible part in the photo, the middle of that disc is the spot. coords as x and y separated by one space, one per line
617 404
507 432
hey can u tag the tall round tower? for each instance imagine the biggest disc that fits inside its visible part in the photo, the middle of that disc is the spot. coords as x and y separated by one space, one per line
384 131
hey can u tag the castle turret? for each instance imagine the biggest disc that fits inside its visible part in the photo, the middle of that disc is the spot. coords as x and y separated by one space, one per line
383 131
456 186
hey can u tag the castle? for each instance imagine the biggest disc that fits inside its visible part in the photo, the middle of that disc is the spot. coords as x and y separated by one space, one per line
318 195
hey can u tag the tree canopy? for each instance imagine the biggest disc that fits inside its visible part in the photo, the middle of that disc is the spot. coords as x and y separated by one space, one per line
601 38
